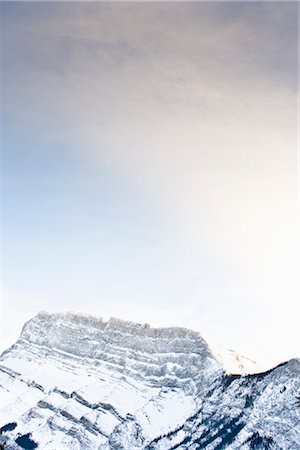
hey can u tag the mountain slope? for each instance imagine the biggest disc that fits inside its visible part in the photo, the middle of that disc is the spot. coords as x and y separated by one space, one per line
78 382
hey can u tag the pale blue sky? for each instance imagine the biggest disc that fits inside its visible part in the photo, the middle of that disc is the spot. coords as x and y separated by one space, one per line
150 166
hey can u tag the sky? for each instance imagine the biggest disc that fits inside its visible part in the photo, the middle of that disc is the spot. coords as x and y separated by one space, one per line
149 162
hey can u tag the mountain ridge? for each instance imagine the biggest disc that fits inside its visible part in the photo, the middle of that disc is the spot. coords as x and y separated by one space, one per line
74 381
223 355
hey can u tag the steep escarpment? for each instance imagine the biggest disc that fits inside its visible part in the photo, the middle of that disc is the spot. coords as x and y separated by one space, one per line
78 382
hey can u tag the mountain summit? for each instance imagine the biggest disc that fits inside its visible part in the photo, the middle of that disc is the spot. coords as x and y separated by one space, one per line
73 381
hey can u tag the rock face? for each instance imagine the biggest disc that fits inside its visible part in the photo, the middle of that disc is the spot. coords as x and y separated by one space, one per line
78 382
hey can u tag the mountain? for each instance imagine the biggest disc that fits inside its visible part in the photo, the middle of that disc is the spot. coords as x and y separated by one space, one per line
77 382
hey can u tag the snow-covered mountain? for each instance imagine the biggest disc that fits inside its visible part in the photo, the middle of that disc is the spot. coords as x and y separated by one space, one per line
77 382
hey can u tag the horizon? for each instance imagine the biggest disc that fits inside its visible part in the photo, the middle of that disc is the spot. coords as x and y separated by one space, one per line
149 160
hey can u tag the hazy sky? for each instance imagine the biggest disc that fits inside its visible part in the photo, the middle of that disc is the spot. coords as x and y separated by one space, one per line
150 167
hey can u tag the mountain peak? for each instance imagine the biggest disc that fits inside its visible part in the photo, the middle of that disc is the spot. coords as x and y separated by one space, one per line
78 382
81 334
114 324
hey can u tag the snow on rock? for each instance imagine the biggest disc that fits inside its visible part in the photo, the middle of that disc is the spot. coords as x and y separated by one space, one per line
73 381
233 362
